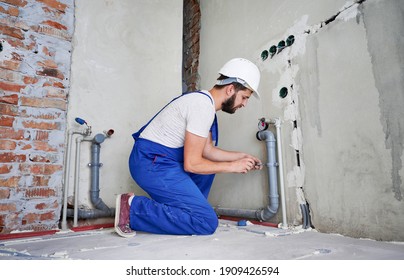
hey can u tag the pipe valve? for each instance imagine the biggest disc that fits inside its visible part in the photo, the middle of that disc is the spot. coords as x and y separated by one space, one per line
263 124
81 121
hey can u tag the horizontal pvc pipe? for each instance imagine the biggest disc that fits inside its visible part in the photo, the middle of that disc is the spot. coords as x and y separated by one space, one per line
26 234
243 213
267 224
90 213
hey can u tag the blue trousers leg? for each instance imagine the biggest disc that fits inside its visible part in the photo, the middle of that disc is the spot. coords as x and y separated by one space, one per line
204 182
177 205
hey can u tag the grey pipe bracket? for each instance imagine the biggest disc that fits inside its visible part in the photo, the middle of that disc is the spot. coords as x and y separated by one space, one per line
91 164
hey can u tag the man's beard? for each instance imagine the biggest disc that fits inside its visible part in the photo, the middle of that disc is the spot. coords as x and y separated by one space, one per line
228 105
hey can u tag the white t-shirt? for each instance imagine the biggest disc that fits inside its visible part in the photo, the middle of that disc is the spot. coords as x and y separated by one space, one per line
193 112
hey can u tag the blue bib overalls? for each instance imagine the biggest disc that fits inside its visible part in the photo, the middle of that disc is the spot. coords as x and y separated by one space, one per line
178 203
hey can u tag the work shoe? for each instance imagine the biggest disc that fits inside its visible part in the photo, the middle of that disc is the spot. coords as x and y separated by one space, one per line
122 210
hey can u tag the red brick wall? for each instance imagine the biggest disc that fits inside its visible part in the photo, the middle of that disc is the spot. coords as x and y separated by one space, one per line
192 25
35 58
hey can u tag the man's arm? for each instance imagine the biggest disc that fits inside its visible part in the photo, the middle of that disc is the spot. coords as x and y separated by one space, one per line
215 154
201 157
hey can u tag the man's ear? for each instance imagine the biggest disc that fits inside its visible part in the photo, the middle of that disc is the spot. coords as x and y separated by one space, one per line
230 90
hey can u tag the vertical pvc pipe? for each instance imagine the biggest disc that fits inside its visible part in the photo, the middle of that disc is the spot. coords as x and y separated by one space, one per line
79 139
281 181
67 175
273 196
95 173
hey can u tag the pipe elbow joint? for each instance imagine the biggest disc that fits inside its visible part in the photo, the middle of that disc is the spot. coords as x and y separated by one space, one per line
98 202
99 138
268 212
265 135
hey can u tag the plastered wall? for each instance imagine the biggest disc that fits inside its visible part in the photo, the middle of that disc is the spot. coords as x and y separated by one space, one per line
126 65
342 112
354 141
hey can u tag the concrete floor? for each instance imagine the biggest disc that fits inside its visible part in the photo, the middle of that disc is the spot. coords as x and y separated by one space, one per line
230 242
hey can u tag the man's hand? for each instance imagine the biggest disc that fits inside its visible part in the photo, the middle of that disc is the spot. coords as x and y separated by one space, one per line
257 162
243 165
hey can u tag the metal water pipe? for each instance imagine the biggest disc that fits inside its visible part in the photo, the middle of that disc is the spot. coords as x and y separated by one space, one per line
83 132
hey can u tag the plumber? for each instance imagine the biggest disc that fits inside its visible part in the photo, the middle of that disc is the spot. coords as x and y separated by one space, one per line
175 158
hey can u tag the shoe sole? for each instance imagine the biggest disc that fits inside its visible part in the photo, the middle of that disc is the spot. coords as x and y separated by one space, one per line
116 223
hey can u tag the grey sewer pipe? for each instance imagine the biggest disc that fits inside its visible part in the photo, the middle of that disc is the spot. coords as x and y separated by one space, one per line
101 209
272 208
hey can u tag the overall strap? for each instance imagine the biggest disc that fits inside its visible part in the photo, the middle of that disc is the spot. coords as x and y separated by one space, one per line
215 131
214 128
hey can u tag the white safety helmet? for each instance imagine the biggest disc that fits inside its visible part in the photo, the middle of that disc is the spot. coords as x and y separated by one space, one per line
242 71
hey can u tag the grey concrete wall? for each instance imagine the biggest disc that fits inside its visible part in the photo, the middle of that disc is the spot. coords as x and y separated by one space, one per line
343 111
127 61
353 143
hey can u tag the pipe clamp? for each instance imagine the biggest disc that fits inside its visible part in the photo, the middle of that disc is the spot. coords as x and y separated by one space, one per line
91 164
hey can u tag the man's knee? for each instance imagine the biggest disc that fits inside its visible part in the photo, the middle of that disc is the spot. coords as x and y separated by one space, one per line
211 223
214 224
